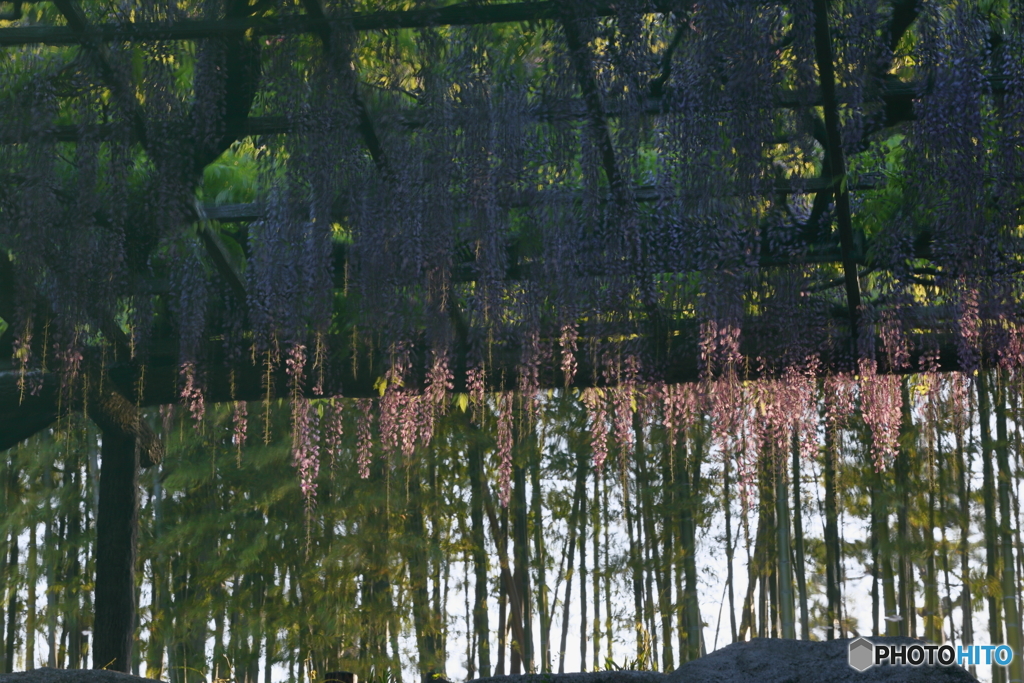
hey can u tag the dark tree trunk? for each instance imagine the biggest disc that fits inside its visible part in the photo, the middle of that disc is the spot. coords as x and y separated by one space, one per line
652 562
595 575
833 552
32 574
158 619
782 539
634 565
13 608
881 549
798 539
73 568
583 580
13 500
905 458
540 559
577 499
521 550
989 497
963 495
117 525
480 624
691 507
500 533
1011 616
749 627
665 598
416 554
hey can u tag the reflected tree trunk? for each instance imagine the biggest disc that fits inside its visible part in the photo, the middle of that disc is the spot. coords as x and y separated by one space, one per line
116 533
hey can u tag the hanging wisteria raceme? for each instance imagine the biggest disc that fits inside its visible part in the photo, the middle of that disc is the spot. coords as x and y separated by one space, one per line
504 407
364 434
333 428
597 416
624 399
306 446
882 405
567 345
240 424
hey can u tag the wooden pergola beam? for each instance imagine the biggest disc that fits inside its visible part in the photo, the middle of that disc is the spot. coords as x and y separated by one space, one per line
895 95
197 29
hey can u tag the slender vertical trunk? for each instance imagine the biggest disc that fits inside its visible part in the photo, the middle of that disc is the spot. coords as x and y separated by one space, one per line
1015 493
989 497
514 599
577 501
49 543
117 525
784 551
219 670
1015 672
771 564
378 609
583 582
749 624
416 554
932 610
683 547
635 569
158 615
880 531
964 497
480 624
649 549
73 568
13 609
13 501
764 559
876 572
32 571
690 474
521 550
595 535
271 654
904 460
727 504
665 568
4 587
471 658
798 532
502 543
605 479
540 560
441 576
943 485
833 552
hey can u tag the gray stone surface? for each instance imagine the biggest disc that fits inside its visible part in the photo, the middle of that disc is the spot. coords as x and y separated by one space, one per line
592 677
768 661
798 661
